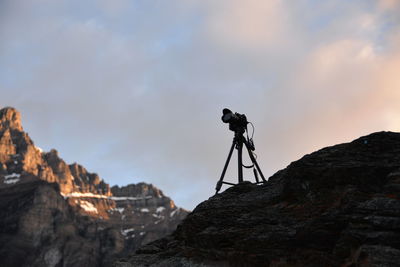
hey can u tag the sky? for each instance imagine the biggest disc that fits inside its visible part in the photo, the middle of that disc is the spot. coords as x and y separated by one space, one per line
134 89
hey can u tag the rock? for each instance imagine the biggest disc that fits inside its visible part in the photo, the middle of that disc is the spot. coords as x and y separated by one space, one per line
6 145
151 213
140 189
10 118
33 214
339 206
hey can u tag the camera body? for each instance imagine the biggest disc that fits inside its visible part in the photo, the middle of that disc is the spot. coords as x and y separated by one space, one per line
237 122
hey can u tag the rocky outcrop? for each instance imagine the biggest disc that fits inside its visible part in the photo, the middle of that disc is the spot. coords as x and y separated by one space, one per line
339 206
10 118
144 214
56 214
19 156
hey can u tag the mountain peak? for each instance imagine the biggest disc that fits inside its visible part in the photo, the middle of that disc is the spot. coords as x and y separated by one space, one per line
48 208
10 118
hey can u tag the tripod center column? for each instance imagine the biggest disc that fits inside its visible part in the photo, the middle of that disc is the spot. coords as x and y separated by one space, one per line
240 163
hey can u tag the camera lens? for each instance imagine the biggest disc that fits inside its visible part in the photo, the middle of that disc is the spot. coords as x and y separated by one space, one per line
227 115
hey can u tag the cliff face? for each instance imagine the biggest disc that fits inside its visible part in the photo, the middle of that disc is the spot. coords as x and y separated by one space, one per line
55 214
39 228
339 206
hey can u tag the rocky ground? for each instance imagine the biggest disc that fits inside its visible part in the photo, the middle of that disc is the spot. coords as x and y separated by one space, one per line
338 206
57 214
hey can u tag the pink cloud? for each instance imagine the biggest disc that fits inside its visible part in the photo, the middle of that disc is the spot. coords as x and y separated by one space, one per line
248 24
389 4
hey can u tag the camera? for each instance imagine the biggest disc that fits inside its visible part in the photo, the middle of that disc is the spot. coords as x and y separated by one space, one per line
237 122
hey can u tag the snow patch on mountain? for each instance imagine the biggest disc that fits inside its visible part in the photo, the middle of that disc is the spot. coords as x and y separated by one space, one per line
87 206
12 178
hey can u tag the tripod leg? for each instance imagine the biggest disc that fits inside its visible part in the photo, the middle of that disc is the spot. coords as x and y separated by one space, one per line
256 175
219 183
254 161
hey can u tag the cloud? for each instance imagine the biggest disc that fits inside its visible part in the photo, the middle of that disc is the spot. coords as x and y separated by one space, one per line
249 25
389 4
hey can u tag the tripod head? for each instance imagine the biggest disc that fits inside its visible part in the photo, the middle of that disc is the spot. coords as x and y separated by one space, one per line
237 122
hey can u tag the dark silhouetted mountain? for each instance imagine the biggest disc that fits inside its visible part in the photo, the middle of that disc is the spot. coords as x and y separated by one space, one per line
54 214
339 206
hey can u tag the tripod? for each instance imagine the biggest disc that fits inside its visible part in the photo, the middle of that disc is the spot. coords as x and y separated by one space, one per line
237 143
